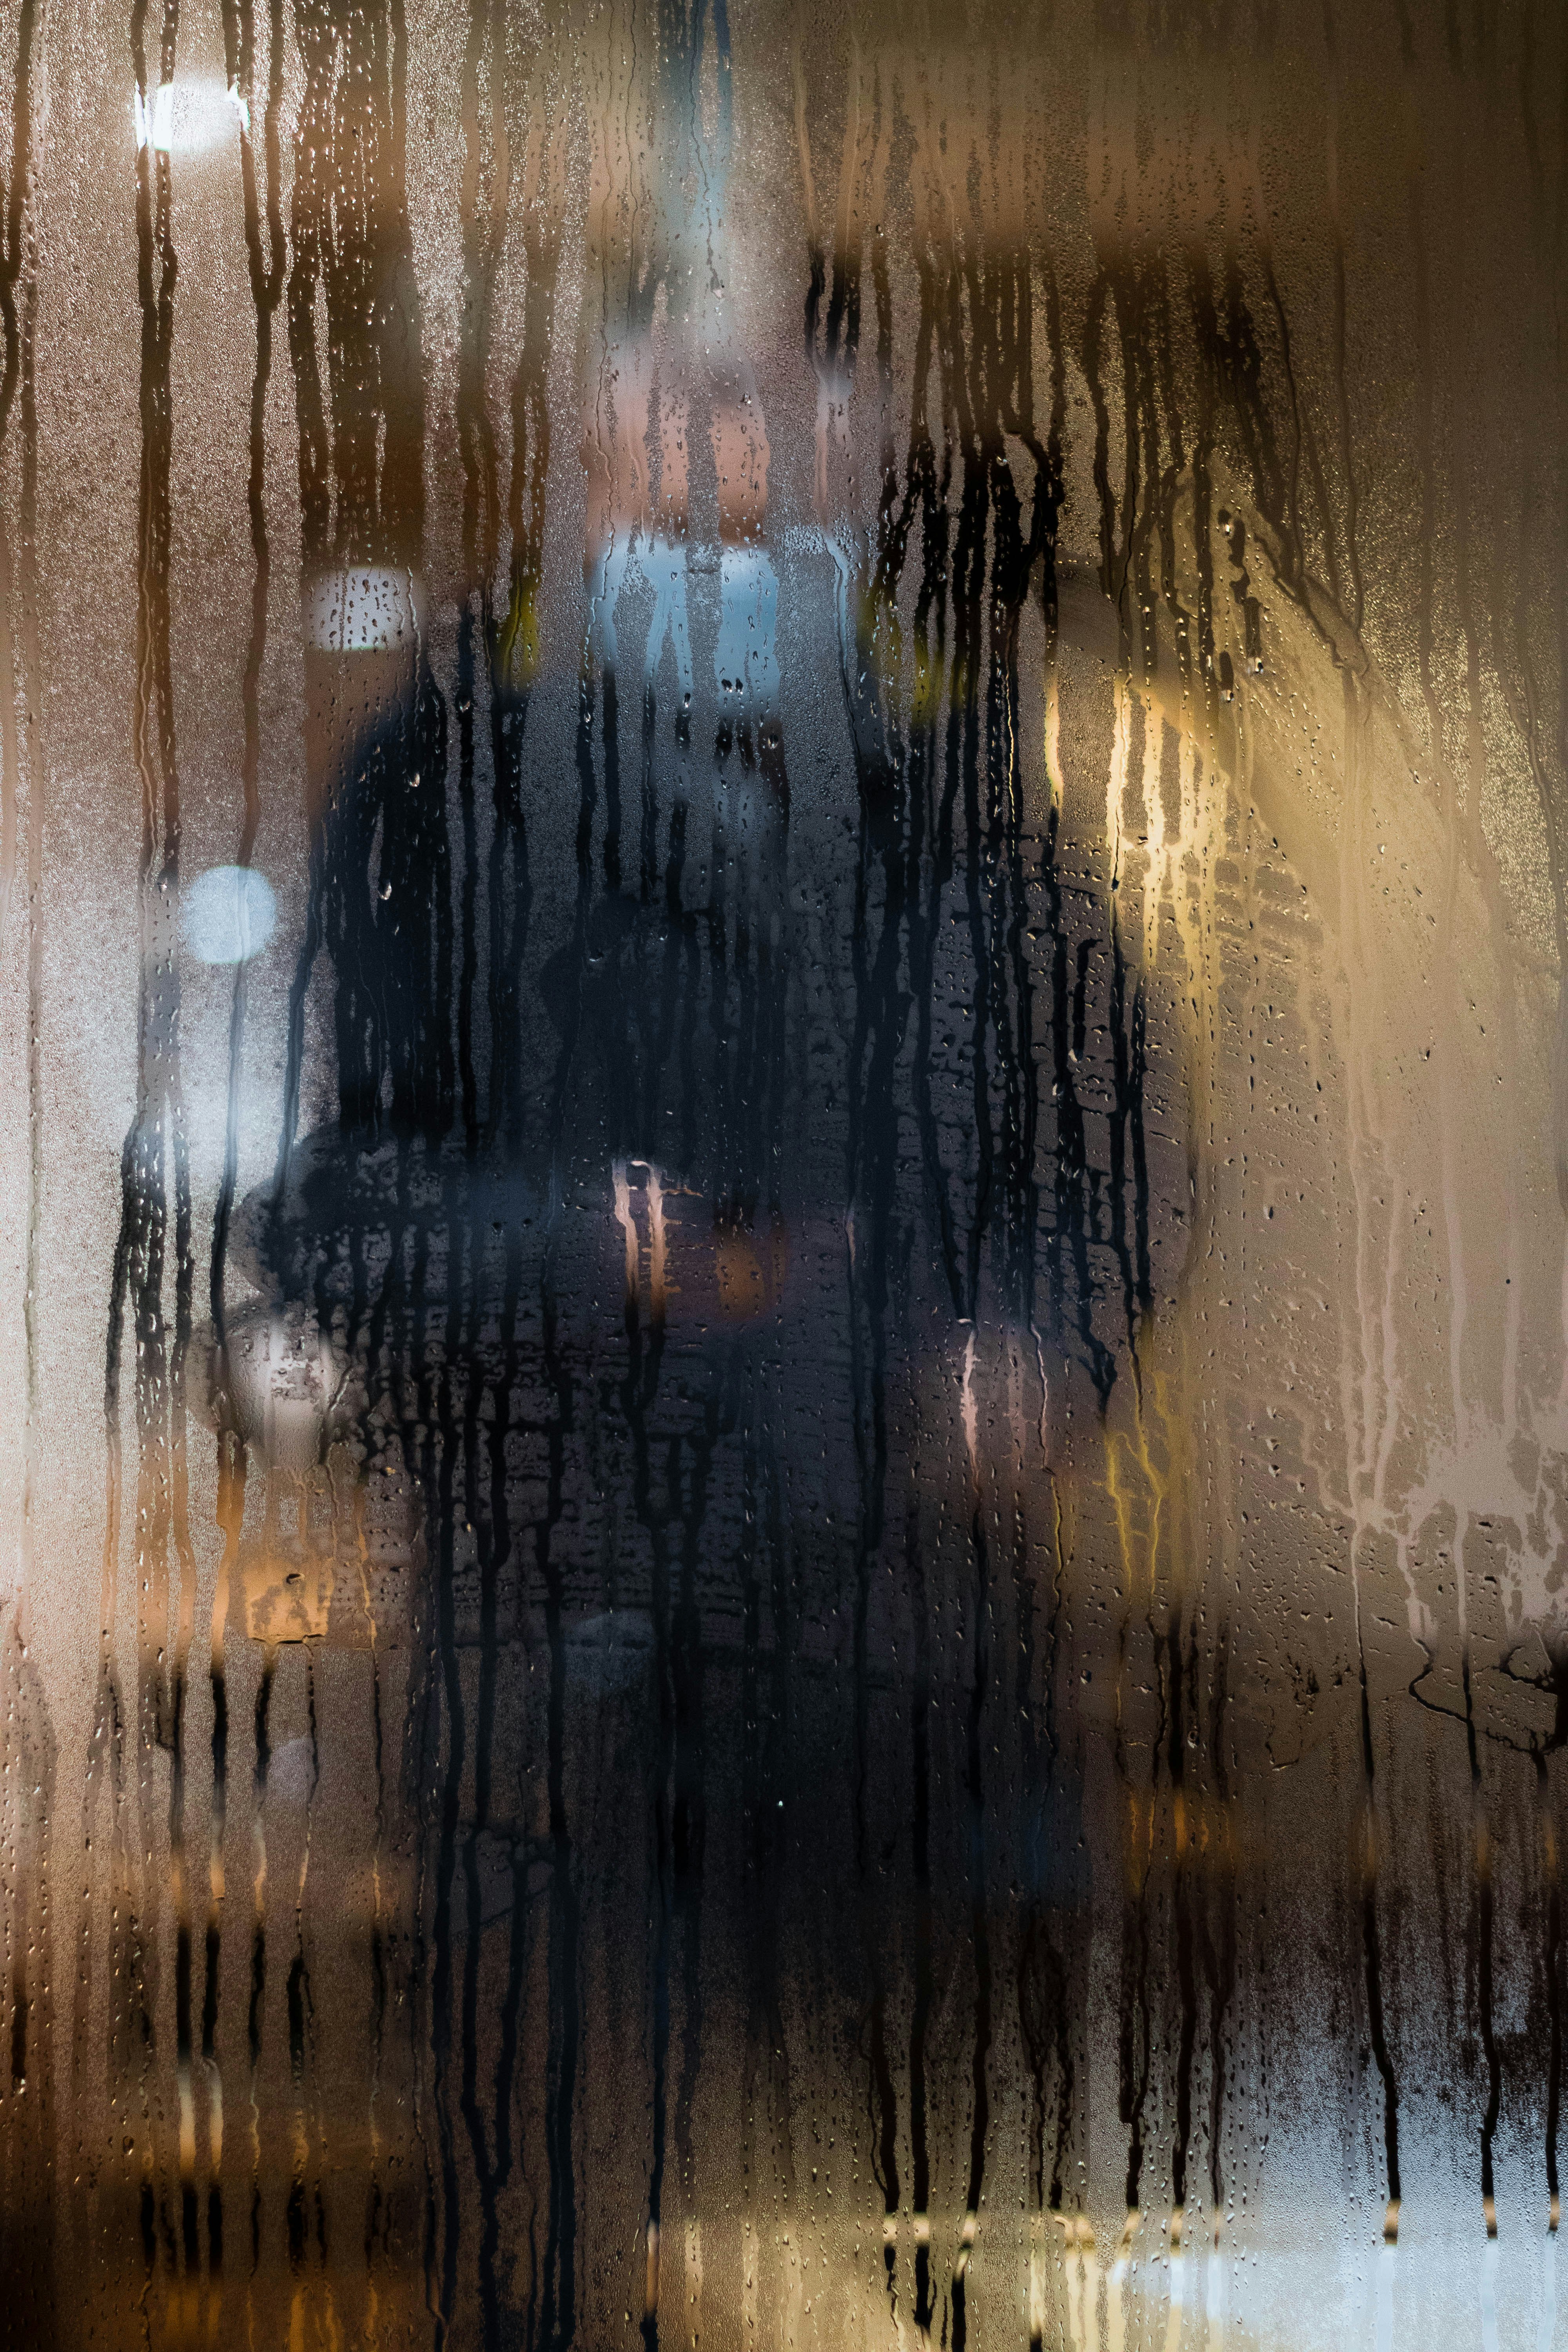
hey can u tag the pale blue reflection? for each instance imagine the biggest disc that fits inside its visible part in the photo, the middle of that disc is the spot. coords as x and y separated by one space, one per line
228 914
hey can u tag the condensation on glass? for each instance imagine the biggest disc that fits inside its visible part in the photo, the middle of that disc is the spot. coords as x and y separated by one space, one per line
781 1206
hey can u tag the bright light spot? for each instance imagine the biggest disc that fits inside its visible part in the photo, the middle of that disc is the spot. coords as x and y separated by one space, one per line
369 610
228 914
187 117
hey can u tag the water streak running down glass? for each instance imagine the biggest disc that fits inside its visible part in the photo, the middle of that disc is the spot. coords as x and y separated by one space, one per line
783 1224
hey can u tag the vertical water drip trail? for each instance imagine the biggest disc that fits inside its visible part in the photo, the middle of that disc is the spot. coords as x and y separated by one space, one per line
558 2285
1222 1964
27 2103
679 256
1462 840
156 1136
1372 1955
765 1735
483 205
1552 1959
893 787
385 1941
688 1807
485 196
261 1749
265 267
1135 2026
1182 1900
1530 588
868 645
512 653
922 1989
987 567
461 1451
311 156
1517 587
1135 2023
1002 302
401 1966
304 2192
1086 1197
985 498
638 1392
512 648
932 840
449 1713
32 2023
923 932
558 2310
979 1924
676 1793
1481 1845
1191 1895
1138 302
380 903
1355 728
266 273
1044 2013
15 239
502 1547
1481 857
400 1960
381 781
422 1394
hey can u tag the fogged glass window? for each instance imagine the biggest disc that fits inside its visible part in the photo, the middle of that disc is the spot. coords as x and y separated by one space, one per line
782 1182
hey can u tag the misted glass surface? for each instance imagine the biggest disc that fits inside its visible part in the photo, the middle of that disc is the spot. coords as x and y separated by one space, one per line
783 833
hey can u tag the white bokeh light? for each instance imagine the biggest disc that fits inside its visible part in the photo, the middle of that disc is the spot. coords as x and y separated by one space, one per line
228 914
188 117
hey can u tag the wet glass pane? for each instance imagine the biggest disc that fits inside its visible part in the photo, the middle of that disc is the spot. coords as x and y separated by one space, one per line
782 1287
